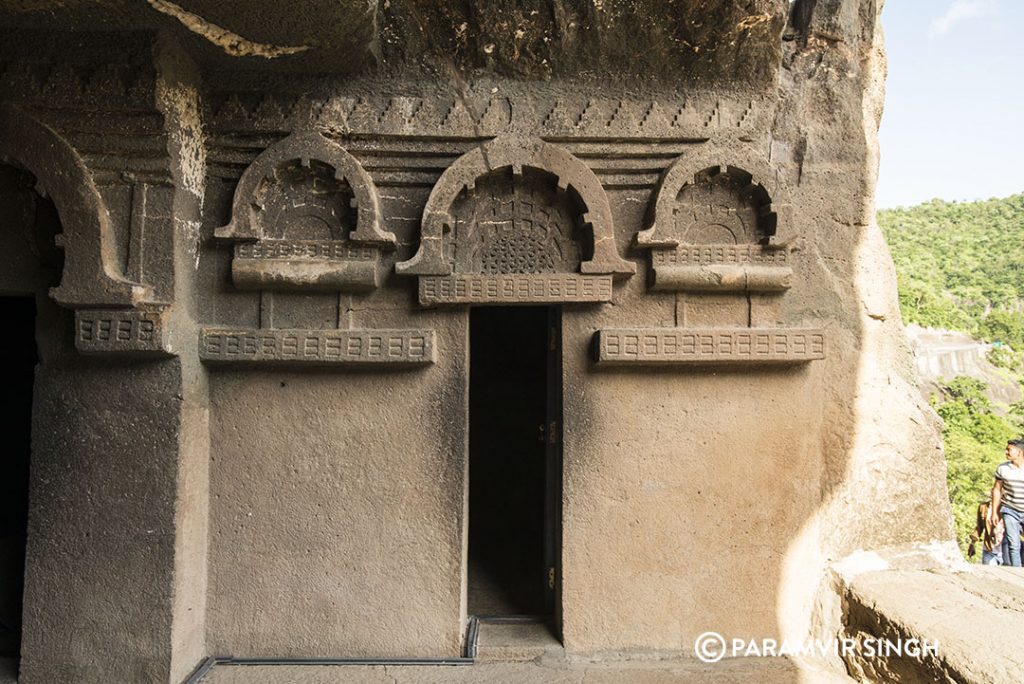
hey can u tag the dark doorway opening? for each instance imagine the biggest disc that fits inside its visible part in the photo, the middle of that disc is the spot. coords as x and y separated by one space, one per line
18 361
514 462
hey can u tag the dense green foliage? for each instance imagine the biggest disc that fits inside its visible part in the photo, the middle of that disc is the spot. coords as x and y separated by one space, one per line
975 440
960 266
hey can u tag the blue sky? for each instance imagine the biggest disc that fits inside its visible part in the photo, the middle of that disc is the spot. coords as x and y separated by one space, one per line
953 126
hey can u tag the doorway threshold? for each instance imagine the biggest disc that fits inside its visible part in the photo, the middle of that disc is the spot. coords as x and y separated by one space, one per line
513 639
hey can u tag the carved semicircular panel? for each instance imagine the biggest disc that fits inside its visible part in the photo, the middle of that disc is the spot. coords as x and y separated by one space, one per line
303 200
722 206
719 224
306 217
516 225
516 221
714 228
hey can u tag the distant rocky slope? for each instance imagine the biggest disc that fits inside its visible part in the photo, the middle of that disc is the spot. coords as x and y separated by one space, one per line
945 354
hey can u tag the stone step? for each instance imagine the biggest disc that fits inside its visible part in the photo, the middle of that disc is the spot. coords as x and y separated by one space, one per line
515 641
729 671
8 670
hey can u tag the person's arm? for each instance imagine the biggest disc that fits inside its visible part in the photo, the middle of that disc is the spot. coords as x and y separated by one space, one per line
997 496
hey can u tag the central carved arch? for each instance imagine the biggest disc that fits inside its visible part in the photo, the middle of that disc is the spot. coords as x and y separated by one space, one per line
571 175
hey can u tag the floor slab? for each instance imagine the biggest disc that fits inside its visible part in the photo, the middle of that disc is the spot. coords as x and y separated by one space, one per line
8 670
734 671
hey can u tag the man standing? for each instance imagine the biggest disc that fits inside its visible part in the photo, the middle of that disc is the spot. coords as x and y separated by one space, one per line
1008 498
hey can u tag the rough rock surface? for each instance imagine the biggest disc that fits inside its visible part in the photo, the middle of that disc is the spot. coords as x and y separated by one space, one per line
933 606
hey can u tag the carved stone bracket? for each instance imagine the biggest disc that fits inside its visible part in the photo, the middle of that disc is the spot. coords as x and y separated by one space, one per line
708 347
721 268
515 210
719 227
115 311
122 331
306 216
317 347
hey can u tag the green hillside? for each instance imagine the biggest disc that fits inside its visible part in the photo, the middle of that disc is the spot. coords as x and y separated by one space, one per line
960 266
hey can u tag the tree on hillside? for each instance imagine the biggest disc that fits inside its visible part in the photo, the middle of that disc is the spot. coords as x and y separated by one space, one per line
961 265
975 440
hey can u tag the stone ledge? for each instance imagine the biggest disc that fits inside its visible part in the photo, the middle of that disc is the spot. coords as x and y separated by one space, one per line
975 614
515 642
541 670
722 278
304 275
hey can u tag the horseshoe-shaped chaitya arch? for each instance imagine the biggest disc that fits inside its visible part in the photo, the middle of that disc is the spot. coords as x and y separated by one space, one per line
91 276
304 147
719 223
517 154
774 222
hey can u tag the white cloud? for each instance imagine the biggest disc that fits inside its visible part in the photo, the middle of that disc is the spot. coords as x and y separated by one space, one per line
961 10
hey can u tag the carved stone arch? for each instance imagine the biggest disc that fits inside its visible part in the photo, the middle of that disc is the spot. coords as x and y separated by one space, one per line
305 148
91 277
517 154
719 222
711 159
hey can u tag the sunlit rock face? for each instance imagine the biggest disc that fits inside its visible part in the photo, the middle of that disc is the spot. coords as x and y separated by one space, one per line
269 393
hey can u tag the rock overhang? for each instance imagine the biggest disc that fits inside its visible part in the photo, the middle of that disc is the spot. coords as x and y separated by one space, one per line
704 43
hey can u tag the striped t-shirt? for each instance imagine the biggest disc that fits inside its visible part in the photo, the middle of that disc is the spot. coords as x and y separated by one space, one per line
1012 478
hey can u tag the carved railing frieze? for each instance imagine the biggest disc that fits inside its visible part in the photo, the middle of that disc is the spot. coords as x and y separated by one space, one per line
708 347
317 347
515 289
122 331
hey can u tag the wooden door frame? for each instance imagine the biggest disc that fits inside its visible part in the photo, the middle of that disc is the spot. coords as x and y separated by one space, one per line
553 471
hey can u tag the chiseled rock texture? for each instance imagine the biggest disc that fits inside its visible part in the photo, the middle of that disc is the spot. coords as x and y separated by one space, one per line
311 501
899 609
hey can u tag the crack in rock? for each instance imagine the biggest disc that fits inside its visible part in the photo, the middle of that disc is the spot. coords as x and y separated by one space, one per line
231 43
